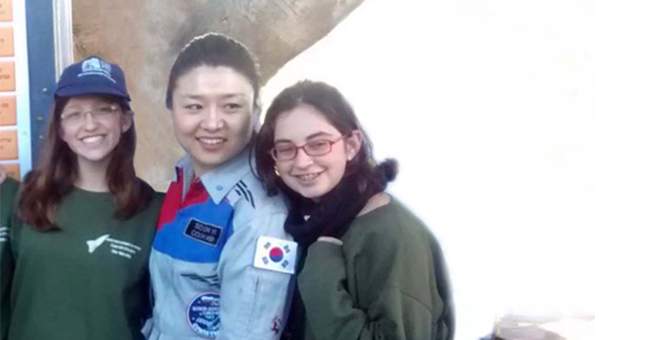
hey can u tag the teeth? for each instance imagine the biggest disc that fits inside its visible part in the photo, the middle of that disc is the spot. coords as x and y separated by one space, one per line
308 177
92 139
211 141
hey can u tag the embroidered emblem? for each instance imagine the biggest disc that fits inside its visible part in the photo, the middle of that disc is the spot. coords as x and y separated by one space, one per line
204 314
117 247
211 280
93 244
275 254
246 193
204 232
96 67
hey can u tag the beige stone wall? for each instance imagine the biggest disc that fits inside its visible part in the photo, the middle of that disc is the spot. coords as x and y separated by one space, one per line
145 36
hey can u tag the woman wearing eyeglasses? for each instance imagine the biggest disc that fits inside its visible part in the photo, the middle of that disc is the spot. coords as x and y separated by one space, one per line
75 260
370 268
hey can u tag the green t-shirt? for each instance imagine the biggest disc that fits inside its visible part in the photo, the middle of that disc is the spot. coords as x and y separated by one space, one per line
8 191
87 280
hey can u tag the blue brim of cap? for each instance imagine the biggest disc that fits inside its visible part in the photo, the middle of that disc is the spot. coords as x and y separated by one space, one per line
73 90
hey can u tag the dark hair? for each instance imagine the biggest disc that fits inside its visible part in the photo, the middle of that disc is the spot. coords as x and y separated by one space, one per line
336 109
214 49
57 171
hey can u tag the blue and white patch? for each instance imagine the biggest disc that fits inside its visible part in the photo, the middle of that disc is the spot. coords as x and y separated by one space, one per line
204 314
204 232
96 67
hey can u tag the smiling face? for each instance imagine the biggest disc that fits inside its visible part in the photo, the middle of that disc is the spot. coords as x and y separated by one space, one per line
92 126
213 115
313 176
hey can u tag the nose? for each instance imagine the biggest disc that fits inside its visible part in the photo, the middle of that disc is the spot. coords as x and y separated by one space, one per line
89 120
302 159
213 119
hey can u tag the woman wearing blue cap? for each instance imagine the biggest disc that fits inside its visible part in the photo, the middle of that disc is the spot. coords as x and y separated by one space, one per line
75 257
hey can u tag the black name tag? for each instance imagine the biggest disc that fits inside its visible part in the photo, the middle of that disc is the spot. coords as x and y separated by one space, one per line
203 232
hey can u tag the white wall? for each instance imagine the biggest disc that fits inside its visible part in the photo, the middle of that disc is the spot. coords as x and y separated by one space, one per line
515 144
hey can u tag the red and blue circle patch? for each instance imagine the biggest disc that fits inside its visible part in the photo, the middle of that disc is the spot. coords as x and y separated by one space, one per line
276 254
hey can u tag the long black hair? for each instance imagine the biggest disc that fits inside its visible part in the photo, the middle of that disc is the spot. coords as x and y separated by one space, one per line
214 49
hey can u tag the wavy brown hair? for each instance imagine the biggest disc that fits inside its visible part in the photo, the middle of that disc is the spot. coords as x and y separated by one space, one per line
57 171
338 111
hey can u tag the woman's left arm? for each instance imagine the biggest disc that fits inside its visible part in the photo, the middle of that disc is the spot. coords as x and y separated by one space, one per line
253 301
389 310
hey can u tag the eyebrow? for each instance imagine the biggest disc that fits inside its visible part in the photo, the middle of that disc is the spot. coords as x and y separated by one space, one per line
308 138
222 96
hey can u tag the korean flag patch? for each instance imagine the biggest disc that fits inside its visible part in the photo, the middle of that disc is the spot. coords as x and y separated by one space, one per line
276 254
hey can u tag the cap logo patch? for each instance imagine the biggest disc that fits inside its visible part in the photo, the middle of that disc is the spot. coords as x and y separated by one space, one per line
96 67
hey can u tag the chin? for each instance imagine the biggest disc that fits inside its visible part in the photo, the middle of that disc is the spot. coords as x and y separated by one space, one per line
312 193
95 157
209 160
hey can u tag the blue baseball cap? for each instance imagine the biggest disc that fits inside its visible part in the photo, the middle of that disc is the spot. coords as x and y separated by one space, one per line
93 76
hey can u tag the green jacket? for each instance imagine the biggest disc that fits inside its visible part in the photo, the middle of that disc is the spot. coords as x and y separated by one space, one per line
387 281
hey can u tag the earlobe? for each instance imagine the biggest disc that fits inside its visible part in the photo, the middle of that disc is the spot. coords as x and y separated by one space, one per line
353 144
126 121
351 154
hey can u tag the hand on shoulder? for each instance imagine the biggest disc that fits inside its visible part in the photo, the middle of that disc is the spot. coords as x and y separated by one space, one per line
330 239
